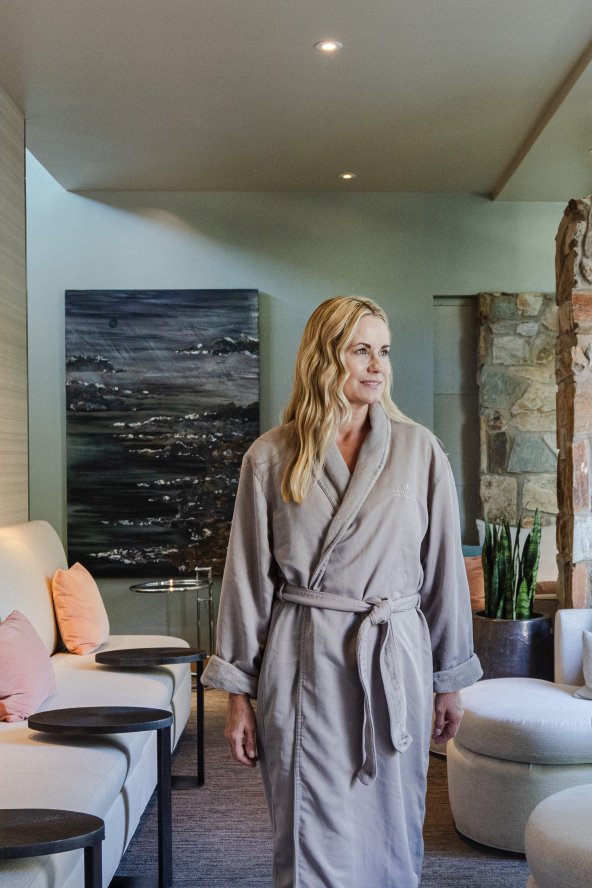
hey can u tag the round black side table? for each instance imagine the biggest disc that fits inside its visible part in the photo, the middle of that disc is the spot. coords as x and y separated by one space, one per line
32 832
89 720
130 658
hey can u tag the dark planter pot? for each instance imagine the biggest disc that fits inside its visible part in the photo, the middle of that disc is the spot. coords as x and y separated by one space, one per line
514 647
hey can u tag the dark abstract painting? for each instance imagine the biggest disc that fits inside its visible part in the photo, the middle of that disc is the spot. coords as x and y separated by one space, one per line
162 396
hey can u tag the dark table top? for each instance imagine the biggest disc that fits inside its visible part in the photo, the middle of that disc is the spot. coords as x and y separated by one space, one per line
154 656
100 720
28 832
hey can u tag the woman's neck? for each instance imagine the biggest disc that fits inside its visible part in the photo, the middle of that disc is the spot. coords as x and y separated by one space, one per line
351 436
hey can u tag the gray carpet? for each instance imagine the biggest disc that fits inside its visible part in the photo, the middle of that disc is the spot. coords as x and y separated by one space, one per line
222 837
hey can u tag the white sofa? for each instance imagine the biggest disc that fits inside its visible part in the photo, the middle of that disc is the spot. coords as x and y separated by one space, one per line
113 776
520 741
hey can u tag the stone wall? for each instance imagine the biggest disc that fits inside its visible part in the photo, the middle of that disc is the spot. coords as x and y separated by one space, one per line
517 395
574 402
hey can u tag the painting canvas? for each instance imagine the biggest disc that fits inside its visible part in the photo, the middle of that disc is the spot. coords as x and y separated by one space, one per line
162 400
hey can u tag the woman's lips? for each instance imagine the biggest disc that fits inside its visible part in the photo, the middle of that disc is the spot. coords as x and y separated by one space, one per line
372 383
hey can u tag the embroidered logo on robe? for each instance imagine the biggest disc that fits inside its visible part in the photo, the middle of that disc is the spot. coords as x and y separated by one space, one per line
405 492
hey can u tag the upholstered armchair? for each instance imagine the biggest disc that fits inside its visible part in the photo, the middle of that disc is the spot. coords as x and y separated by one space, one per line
520 741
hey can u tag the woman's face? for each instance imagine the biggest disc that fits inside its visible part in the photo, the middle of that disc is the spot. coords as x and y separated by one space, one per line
367 359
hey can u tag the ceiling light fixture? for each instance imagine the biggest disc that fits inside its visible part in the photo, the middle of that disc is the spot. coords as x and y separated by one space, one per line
328 46
347 176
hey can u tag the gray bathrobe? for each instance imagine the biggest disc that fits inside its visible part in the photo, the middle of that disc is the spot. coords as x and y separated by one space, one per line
341 615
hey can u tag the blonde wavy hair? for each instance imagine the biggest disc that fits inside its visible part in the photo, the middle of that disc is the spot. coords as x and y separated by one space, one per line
317 405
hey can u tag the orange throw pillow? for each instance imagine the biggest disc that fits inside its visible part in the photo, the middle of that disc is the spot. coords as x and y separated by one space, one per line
474 569
26 672
79 608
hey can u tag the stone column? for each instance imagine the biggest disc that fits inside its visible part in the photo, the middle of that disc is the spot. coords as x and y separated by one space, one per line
573 266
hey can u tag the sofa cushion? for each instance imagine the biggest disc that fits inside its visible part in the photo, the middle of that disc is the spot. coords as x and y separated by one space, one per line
29 556
526 720
80 612
585 692
26 671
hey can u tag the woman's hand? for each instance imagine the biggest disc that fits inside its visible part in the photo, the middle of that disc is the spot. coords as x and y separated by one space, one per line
449 712
240 730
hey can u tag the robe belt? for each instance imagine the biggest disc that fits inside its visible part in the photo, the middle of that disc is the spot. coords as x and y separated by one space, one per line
378 613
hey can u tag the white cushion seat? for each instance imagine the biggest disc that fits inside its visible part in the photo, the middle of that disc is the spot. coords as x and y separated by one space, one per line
527 720
559 840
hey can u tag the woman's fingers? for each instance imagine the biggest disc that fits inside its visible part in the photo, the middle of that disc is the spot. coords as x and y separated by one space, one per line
240 731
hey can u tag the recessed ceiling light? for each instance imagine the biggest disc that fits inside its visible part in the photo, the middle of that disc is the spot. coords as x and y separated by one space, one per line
328 46
347 176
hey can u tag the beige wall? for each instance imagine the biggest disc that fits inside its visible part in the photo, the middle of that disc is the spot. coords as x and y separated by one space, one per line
14 484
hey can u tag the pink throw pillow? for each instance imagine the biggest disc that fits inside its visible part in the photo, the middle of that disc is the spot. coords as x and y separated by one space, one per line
79 608
26 670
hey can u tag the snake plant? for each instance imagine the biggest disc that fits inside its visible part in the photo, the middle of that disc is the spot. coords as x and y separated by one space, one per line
510 574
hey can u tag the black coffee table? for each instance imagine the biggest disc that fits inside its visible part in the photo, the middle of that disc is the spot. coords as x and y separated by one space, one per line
90 720
130 658
32 832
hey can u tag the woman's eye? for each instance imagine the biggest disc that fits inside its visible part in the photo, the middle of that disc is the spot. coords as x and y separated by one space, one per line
360 351
384 353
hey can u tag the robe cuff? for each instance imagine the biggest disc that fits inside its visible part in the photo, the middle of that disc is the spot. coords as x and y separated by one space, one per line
223 675
458 677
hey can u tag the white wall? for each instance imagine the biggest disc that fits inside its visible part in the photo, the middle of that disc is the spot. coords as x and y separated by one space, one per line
14 480
297 249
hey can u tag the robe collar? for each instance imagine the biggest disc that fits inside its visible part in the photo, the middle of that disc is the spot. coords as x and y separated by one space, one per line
353 489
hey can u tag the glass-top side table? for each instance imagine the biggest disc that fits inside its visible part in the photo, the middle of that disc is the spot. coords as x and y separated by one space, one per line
203 582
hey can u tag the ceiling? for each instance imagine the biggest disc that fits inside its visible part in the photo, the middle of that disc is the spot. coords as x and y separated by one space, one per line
483 96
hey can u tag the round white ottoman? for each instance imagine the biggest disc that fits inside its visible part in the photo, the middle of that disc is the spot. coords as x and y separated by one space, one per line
559 840
520 741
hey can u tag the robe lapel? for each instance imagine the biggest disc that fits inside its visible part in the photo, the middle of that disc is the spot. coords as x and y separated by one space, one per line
353 489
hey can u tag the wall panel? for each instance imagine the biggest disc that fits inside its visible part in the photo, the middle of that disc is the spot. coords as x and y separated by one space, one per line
14 486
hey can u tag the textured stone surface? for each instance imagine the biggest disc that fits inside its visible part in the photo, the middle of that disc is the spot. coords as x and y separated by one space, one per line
580 584
537 373
543 348
550 318
573 261
499 497
510 350
535 410
504 306
540 492
582 410
527 329
582 310
529 304
497 452
518 401
531 453
498 388
580 454
582 539
494 421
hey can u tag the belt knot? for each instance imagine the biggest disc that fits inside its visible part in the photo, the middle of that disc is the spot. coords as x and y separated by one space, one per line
381 612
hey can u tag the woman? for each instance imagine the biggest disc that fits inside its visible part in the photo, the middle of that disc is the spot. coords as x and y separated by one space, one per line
344 603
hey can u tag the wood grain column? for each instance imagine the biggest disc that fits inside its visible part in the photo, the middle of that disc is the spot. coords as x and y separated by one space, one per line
14 482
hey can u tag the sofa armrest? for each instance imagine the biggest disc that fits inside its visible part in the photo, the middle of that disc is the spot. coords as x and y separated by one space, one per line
569 625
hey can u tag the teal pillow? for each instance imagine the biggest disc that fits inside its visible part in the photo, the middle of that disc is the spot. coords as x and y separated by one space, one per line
471 551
